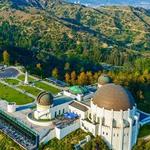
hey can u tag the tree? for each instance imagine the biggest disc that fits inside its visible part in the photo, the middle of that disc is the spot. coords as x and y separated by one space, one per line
39 69
6 57
67 66
38 66
67 77
55 73
89 77
82 78
96 143
73 77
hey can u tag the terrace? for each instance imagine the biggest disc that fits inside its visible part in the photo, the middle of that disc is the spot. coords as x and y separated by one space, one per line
19 132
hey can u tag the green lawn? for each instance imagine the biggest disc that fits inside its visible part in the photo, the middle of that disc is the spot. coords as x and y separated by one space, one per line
12 95
144 131
41 85
47 87
30 89
12 81
22 77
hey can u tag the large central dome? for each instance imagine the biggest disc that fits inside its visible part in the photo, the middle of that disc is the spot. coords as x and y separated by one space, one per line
111 96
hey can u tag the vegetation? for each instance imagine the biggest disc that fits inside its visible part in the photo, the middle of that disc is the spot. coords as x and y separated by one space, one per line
22 78
67 143
96 143
30 89
12 95
68 37
12 81
144 131
7 143
69 42
6 57
142 145
47 87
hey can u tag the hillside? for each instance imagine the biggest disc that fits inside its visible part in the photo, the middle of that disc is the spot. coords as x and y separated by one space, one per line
59 32
137 3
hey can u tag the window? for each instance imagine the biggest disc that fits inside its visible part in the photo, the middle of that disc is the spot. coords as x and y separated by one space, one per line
114 123
103 121
63 110
90 116
59 112
103 133
55 113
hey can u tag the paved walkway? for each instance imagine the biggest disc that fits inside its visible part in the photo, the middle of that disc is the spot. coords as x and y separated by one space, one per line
144 118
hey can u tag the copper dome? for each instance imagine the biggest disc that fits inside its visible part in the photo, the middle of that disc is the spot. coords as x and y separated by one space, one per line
111 96
45 99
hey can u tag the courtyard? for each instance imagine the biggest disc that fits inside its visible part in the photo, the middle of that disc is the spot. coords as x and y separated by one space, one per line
12 79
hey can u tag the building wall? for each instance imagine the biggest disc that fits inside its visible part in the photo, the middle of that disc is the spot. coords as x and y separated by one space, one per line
89 127
59 109
60 133
78 97
119 129
82 114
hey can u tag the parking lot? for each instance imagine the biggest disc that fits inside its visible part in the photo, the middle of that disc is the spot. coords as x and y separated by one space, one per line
8 73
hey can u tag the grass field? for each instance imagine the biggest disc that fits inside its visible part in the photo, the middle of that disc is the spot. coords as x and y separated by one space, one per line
12 81
46 87
22 77
39 84
34 91
144 131
12 95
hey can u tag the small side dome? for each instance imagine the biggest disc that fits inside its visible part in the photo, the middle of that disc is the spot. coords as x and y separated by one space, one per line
78 90
45 99
104 79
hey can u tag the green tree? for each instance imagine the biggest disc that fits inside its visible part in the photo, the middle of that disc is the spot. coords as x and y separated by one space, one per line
67 67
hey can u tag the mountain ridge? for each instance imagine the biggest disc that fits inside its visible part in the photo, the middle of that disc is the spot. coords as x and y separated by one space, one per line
114 35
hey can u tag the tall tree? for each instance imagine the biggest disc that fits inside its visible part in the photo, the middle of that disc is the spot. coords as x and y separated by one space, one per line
67 77
89 77
67 67
82 78
73 77
55 73
6 57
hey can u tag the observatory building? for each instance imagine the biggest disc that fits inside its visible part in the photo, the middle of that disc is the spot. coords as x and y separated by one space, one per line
112 113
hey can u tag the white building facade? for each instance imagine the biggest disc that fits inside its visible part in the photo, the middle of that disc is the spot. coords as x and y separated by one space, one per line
112 114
